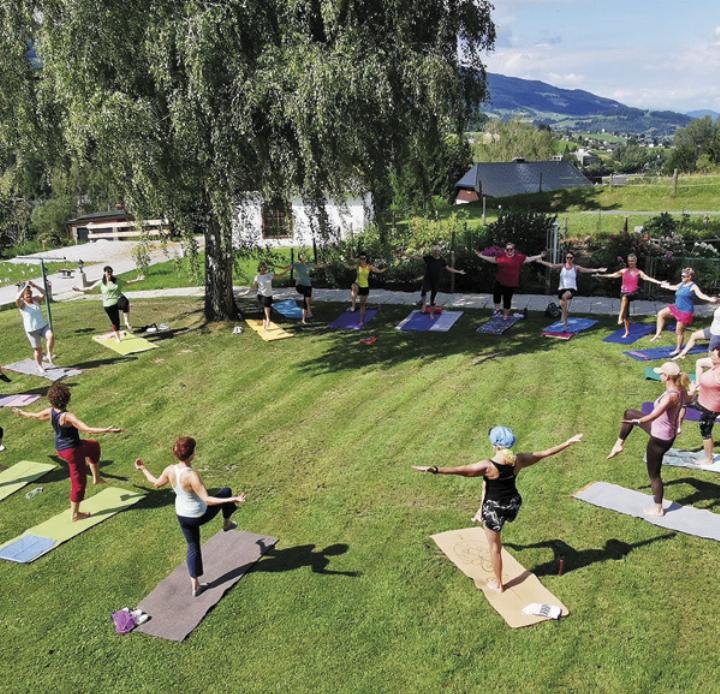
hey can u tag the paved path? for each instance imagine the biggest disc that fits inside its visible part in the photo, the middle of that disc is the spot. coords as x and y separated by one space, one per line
533 302
650 213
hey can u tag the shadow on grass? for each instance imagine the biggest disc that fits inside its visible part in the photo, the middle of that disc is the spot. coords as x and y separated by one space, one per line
704 491
61 473
303 555
574 559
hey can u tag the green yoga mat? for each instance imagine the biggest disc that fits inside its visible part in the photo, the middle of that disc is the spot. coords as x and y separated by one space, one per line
20 474
102 506
650 374
128 345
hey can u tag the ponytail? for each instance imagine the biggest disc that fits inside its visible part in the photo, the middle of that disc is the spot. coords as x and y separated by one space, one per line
508 456
682 380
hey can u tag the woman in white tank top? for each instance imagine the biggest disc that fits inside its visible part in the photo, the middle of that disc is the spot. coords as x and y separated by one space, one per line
568 281
193 505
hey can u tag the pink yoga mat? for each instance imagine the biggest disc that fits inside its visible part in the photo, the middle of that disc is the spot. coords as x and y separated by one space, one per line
21 400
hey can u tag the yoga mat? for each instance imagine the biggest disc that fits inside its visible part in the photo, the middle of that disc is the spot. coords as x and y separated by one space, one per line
29 368
497 326
683 519
637 330
129 344
274 332
288 309
26 548
350 320
20 474
424 322
650 374
559 336
659 353
691 414
61 528
575 325
689 459
468 550
20 400
227 557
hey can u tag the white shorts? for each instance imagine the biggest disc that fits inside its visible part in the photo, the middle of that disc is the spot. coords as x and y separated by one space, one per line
35 336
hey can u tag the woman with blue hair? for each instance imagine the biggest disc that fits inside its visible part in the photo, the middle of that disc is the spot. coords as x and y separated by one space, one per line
501 500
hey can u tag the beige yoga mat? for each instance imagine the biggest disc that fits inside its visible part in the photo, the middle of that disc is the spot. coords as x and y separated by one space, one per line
468 550
20 474
129 344
274 332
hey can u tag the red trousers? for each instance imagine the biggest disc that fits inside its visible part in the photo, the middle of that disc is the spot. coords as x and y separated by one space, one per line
75 459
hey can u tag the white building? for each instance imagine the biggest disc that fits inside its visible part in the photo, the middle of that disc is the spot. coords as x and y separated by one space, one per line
291 223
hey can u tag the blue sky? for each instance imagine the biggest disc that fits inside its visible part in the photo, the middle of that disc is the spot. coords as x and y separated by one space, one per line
651 54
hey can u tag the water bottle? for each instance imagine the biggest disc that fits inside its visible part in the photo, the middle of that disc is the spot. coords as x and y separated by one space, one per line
34 492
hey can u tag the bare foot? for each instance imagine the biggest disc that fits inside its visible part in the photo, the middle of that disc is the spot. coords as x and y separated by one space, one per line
492 584
705 461
620 321
476 518
99 480
617 449
81 516
675 353
627 333
655 338
654 511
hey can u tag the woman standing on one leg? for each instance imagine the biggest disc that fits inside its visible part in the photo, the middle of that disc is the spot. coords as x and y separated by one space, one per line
683 308
360 289
36 327
193 505
707 382
114 301
263 283
434 265
662 425
631 276
501 501
75 451
303 283
568 281
712 334
507 277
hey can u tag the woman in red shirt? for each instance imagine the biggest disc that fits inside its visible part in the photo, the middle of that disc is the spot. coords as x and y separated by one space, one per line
507 277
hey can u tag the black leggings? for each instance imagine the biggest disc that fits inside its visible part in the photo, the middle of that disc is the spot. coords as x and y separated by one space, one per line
656 449
707 421
432 285
113 313
506 293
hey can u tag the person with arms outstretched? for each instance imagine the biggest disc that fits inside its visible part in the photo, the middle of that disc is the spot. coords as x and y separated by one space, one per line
501 502
434 265
360 289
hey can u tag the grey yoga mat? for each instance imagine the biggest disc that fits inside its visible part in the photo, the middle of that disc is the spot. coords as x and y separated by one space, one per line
683 519
227 557
52 373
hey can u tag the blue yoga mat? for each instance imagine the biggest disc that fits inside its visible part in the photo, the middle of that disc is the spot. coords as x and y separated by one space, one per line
637 330
659 353
27 548
575 325
288 309
497 326
350 320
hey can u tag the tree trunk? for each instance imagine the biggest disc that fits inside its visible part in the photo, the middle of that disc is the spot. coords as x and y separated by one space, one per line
219 299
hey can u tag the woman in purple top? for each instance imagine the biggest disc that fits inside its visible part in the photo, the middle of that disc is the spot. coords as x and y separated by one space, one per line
662 425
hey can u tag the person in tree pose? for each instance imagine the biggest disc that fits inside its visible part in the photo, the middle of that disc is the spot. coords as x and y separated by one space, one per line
193 505
263 283
76 452
303 283
631 276
502 500
507 278
568 281
36 327
662 426
683 308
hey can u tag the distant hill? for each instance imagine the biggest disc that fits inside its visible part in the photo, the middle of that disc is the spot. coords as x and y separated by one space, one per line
702 113
574 108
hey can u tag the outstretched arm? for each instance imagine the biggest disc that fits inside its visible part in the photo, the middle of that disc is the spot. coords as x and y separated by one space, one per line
590 269
535 259
486 258
44 415
527 459
87 289
199 488
612 275
139 278
71 419
474 470
452 269
700 295
377 269
647 278
156 482
554 266
668 286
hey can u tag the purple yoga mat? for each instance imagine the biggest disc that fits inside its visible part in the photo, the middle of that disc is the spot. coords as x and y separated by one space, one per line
21 400
691 414
350 320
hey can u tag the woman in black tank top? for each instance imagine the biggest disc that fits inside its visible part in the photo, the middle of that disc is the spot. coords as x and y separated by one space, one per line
501 501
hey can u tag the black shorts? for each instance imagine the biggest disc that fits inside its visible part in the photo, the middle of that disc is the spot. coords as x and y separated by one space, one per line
363 291
429 285
265 301
123 304
496 513
303 289
562 292
630 296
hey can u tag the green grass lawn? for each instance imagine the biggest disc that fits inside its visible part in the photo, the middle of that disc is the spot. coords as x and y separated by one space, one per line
11 273
320 431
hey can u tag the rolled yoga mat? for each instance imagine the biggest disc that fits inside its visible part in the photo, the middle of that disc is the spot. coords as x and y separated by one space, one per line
497 325
227 557
61 528
20 474
129 344
52 373
350 320
421 322
468 550
683 519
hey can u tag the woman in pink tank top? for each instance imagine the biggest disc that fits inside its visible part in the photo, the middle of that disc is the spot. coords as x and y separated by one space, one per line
707 385
662 425
631 276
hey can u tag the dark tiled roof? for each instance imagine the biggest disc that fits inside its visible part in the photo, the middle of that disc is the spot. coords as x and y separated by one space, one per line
503 179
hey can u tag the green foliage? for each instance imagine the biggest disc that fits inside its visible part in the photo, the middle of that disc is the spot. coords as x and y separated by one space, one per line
527 229
698 143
